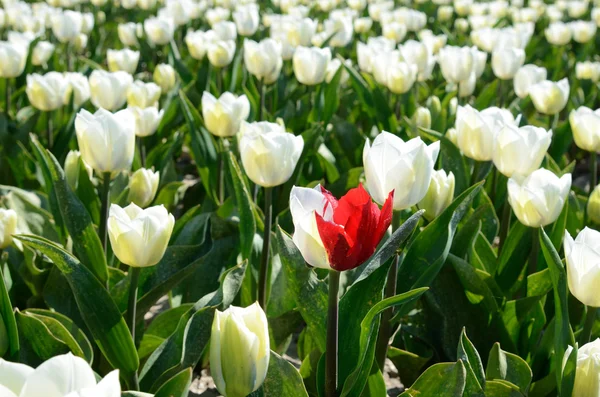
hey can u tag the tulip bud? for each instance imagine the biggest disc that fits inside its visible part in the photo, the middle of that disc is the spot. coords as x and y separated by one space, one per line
246 19
224 116
147 120
14 58
220 53
549 97
106 140
72 168
263 59
587 375
583 31
588 71
527 76
125 60
422 118
475 130
139 237
42 53
520 150
143 95
416 53
585 125
269 154
8 227
400 77
109 90
403 167
363 25
327 244
159 30
198 41
46 92
593 206
143 185
236 330
128 34
164 76
80 43
456 63
445 13
583 266
506 62
439 195
310 64
461 24
558 33
538 199
394 31
66 25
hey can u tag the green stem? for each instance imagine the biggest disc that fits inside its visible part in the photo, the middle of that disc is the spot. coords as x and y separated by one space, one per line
504 225
475 175
535 251
105 200
593 171
331 358
221 171
385 330
49 131
7 92
590 318
264 260
142 149
261 92
134 273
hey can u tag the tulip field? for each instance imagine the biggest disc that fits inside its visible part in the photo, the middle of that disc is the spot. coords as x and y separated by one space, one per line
299 198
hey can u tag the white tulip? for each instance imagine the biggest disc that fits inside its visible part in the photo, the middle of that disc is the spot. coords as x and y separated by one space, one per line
80 42
588 71
139 237
8 227
146 120
67 25
143 185
587 375
520 150
143 95
269 153
64 375
479 61
405 167
42 52
125 60
506 62
263 59
558 33
87 24
79 89
456 63
526 77
475 130
310 64
549 97
538 199
583 31
106 140
225 30
72 168
246 20
333 68
400 77
394 31
416 53
46 92
128 34
466 88
363 25
445 13
159 30
198 41
109 90
220 53
583 265
439 194
224 116
340 29
237 330
164 76
585 125
14 58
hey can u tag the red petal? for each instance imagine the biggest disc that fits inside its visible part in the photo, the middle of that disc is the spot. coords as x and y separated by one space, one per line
356 197
385 217
335 243
329 199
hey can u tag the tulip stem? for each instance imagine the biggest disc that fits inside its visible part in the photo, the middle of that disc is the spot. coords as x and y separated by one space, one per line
49 131
134 273
142 148
590 318
7 92
593 171
331 358
535 250
261 102
105 199
385 330
504 225
264 260
475 175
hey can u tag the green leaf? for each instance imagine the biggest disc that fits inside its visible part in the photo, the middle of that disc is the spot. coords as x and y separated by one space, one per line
7 319
38 342
472 361
283 379
356 380
408 364
563 334
509 367
244 204
161 327
498 388
177 386
76 218
515 252
440 380
310 292
96 306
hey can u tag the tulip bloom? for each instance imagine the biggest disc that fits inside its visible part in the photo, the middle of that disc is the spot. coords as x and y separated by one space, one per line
263 59
549 97
339 235
109 90
583 265
520 150
224 116
143 95
527 76
585 125
239 350
593 205
146 120
164 76
46 92
507 61
587 376
143 185
310 64
439 195
8 226
125 60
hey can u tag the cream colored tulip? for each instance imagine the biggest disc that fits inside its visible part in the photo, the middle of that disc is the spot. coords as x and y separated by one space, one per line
394 31
506 62
422 118
109 90
143 185
106 140
526 77
147 120
220 53
456 63
139 237
583 31
439 195
588 71
400 77
549 97
246 19
79 89
224 116
593 206
8 227
164 76
310 64
520 150
583 265
72 168
263 59
538 199
198 41
143 95
67 25
587 375
585 125
159 30
128 34
46 92
238 330
42 52
269 153
125 60
558 33
363 25
14 58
